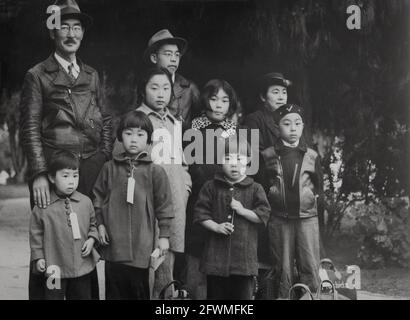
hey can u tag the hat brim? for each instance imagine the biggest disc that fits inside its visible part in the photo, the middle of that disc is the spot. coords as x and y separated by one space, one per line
85 19
180 42
276 81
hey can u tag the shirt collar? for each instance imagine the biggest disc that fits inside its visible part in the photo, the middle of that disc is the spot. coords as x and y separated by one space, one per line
290 145
219 176
280 145
64 63
142 156
54 197
203 122
148 111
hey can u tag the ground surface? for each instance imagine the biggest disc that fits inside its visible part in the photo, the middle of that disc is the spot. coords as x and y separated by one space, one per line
389 283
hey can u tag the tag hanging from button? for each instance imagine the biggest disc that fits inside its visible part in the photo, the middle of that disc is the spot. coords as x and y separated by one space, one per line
75 226
131 187
232 216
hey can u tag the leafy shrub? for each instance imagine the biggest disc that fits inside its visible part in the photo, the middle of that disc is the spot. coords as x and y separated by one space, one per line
383 229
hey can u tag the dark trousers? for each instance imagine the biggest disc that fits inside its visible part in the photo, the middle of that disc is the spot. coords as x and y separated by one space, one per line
71 289
89 170
124 282
294 240
230 288
266 288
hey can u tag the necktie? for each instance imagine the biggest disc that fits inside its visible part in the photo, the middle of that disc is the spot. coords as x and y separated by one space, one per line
71 71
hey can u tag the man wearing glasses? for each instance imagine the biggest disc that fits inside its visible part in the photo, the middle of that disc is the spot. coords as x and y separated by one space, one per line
61 108
166 51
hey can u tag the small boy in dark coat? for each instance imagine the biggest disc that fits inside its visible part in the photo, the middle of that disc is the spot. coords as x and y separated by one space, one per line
295 195
230 207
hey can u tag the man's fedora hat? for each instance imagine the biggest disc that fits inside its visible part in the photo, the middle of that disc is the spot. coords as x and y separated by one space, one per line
163 37
275 78
70 9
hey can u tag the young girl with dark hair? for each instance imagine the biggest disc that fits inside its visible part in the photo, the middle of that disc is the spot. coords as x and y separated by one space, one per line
156 93
219 102
131 194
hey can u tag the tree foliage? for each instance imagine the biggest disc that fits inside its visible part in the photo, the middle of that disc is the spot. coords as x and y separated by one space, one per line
354 84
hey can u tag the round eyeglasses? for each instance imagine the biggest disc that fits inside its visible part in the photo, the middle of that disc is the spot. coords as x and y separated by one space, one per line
66 29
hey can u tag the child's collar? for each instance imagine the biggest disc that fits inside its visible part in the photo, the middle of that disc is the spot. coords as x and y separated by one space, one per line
234 182
142 156
203 122
75 196
280 144
219 176
147 110
291 145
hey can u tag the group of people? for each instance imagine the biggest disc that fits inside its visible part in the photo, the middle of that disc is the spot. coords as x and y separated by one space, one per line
99 193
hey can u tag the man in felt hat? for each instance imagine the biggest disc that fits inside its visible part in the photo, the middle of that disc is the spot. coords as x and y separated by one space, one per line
61 108
166 51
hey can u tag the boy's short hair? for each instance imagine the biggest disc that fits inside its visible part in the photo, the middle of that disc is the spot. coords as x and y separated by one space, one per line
135 119
289 108
63 159
212 87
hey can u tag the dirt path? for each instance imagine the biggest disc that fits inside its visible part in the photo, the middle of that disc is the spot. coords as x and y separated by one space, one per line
15 254
14 248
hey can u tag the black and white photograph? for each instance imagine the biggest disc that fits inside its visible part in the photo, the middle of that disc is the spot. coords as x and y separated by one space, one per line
234 150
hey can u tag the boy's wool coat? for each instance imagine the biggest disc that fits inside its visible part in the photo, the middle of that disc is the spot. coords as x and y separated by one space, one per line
51 237
235 254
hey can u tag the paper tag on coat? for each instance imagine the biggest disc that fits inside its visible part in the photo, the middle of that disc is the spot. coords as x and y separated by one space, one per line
130 190
75 226
156 259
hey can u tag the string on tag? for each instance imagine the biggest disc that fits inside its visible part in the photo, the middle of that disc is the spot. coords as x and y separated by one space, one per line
131 185
73 220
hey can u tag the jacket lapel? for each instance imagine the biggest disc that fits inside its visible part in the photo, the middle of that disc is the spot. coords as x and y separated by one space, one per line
84 78
62 78
180 85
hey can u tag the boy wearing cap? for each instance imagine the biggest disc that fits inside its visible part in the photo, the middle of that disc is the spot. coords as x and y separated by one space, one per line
295 196
166 51
273 93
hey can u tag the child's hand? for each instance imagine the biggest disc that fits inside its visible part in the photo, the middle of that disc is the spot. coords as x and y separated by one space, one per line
103 235
225 228
163 245
87 247
41 265
236 205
